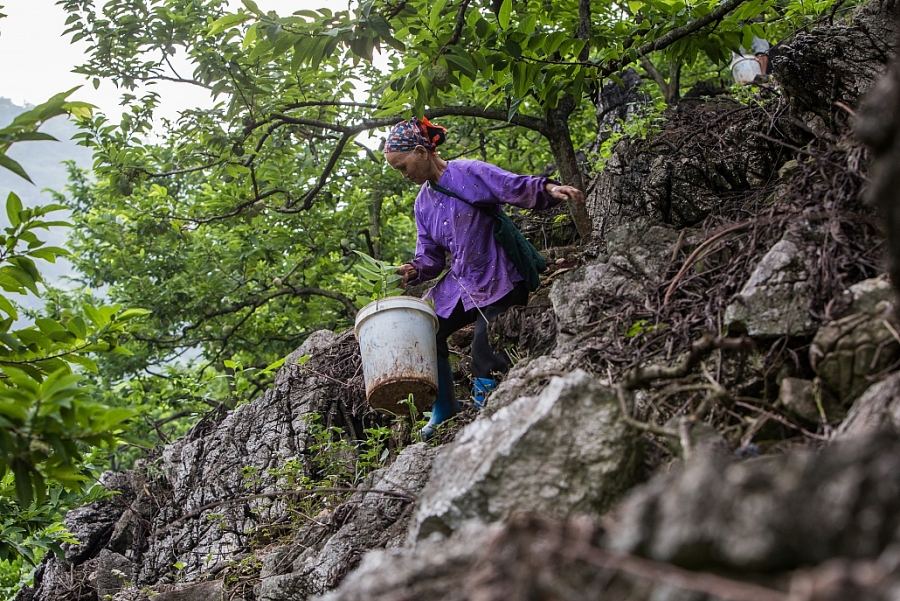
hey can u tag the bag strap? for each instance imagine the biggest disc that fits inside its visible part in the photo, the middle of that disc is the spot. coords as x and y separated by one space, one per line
453 194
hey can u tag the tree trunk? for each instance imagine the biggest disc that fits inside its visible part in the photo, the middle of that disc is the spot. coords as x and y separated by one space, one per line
560 139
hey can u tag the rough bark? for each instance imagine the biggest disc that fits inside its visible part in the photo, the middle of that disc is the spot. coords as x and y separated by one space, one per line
879 127
828 69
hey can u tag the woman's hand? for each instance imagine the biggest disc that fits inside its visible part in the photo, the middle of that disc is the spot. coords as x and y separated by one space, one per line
408 272
565 193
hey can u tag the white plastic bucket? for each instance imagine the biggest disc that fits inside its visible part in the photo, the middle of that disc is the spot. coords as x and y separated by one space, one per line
399 353
744 69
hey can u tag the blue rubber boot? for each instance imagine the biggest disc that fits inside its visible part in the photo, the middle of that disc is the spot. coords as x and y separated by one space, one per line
483 387
445 405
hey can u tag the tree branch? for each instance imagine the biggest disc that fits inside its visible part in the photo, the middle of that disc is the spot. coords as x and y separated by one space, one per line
655 75
457 30
676 34
641 377
297 291
176 80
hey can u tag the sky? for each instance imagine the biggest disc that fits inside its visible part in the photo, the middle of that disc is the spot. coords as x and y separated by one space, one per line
36 61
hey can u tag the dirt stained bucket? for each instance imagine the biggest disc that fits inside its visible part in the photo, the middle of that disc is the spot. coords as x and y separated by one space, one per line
399 353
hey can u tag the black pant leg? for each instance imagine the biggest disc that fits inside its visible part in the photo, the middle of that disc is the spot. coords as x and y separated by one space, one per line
486 361
454 322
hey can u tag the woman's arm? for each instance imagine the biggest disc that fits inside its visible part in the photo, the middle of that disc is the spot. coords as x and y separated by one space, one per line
525 191
430 258
561 192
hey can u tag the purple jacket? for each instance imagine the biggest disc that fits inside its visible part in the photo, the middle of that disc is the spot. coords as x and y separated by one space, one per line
479 272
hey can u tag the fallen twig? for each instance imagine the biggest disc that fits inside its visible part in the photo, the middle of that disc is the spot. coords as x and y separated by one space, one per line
693 256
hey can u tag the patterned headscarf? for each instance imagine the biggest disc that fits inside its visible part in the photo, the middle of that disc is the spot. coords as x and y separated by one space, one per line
406 135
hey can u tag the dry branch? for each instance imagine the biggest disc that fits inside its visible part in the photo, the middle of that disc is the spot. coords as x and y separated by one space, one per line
641 377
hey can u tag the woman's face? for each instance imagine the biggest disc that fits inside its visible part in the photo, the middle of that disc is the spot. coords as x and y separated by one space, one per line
412 164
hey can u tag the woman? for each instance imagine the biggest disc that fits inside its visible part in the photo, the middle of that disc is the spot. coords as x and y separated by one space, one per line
481 282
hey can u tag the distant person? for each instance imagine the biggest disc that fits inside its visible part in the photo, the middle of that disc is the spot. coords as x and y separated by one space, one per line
480 282
760 48
743 68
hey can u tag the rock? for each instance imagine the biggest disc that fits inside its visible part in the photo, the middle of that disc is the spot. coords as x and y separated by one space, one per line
878 126
845 353
246 452
114 572
876 409
767 514
371 521
842 60
637 253
775 300
867 294
435 569
563 452
799 397
526 379
528 557
530 330
204 591
93 524
668 178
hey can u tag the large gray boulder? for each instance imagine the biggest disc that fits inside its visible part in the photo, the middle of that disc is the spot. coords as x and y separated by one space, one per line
635 258
683 173
849 352
563 452
242 454
775 300
768 514
437 568
878 408
323 553
841 59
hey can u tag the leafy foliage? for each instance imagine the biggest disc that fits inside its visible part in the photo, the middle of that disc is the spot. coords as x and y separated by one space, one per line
48 416
237 224
378 277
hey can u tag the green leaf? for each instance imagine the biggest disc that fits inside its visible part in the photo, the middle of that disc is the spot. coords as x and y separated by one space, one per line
34 136
8 308
227 22
436 10
21 276
505 12
13 166
84 362
13 208
461 62
252 7
129 314
77 326
368 273
521 83
95 315
22 475
273 366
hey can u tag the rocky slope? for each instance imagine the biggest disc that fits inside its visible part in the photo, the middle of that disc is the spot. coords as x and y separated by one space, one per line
704 404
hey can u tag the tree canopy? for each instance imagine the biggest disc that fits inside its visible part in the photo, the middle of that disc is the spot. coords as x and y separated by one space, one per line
235 225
